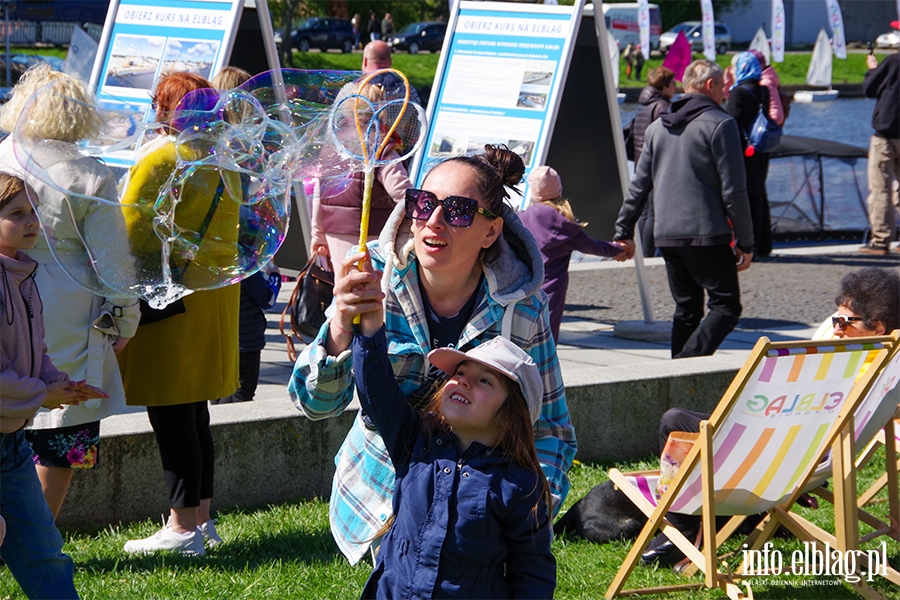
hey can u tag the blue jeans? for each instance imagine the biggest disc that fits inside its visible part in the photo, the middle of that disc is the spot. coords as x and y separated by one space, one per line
32 548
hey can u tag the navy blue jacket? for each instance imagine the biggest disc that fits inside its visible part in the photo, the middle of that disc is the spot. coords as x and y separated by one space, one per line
464 526
256 297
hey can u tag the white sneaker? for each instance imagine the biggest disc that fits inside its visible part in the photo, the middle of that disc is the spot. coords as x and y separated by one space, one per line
189 544
210 535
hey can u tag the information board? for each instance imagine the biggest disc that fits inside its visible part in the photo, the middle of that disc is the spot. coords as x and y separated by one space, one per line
143 39
499 80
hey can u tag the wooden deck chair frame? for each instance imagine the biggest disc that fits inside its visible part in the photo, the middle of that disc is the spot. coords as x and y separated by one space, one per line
887 479
887 437
848 511
707 559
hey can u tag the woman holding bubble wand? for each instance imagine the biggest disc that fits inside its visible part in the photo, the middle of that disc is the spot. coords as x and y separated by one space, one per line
459 268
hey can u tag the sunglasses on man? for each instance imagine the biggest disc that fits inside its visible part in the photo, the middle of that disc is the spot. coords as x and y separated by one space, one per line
842 322
459 211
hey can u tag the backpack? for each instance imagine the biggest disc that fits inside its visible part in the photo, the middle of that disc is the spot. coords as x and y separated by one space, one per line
764 134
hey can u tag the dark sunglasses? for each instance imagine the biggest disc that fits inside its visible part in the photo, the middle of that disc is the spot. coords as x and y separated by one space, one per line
459 211
843 322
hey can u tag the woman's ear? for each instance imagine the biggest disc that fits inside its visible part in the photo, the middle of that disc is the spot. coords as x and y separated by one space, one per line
880 328
493 232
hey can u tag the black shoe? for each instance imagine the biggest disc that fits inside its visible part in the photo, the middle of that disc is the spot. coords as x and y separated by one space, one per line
662 552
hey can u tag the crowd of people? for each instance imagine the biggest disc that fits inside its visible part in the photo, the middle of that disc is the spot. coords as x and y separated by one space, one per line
445 327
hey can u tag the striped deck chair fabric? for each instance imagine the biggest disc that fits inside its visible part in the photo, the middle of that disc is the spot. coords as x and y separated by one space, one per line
775 429
771 429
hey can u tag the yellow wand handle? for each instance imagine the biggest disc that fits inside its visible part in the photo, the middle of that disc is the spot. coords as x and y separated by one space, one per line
364 219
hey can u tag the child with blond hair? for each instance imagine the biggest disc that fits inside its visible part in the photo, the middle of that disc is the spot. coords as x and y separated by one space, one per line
558 234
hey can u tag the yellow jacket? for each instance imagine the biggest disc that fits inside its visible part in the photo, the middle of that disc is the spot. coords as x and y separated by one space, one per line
193 356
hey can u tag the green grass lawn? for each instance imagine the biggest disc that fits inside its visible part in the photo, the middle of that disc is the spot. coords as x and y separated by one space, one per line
286 551
420 68
791 72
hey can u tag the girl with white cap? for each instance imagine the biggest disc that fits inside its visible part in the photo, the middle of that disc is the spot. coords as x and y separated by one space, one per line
471 503
558 234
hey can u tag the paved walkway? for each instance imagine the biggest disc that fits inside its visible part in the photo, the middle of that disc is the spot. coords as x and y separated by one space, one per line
784 297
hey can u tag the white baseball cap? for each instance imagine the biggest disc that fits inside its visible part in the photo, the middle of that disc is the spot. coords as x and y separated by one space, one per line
500 355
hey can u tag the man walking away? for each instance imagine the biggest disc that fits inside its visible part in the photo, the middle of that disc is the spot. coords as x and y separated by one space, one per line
694 154
883 82
387 26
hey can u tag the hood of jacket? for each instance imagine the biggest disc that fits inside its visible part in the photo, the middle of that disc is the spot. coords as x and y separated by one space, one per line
650 95
687 108
516 273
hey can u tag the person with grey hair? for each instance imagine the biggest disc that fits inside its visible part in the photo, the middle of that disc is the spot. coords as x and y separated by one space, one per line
694 153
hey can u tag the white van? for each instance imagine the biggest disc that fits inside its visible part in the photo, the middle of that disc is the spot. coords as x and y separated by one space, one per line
622 21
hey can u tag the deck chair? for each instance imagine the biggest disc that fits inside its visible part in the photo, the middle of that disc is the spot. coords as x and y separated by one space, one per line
888 479
759 449
872 419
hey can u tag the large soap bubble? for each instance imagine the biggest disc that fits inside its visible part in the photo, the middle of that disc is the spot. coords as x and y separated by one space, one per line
207 202
206 205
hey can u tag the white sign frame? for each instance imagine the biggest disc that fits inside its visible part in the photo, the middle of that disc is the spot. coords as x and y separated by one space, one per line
516 48
142 39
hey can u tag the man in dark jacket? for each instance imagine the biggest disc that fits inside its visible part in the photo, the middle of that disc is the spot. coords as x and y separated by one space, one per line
883 82
655 99
694 154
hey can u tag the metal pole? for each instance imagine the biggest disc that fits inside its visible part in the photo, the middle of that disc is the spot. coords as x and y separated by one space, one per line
643 288
6 18
268 35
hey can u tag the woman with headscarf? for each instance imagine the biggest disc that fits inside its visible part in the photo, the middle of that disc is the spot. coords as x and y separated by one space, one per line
744 102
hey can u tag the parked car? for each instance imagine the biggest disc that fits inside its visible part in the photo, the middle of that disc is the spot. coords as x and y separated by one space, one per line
418 36
693 31
888 40
622 20
323 33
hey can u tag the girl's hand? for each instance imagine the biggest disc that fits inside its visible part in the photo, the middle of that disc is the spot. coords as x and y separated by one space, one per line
89 391
627 250
119 344
356 293
63 393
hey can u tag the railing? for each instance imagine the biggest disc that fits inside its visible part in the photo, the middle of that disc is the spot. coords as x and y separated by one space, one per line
56 33
20 32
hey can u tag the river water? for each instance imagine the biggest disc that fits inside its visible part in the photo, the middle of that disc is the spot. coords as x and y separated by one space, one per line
845 120
797 190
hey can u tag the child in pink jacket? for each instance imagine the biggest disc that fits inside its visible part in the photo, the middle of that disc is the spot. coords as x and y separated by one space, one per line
32 548
770 80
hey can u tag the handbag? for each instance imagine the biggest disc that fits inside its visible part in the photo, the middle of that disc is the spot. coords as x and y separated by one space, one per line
306 308
764 134
153 315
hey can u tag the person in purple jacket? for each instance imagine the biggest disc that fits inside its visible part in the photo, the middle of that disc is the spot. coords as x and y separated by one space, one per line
558 234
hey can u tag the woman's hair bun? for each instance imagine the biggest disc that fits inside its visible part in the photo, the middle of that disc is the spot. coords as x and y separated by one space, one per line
507 163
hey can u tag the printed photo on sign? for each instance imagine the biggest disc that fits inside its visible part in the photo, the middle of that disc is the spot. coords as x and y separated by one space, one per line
192 56
134 61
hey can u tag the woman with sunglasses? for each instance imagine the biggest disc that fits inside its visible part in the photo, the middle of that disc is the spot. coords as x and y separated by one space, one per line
458 268
869 304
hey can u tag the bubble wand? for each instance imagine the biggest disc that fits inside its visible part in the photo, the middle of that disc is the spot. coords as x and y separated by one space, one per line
368 167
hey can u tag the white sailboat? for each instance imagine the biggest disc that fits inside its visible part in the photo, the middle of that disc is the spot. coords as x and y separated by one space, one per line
819 72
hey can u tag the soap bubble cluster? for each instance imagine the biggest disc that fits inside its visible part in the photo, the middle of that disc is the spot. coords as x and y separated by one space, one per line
208 200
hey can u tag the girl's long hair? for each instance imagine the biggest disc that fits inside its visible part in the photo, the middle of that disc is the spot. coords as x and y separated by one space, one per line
562 206
516 434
